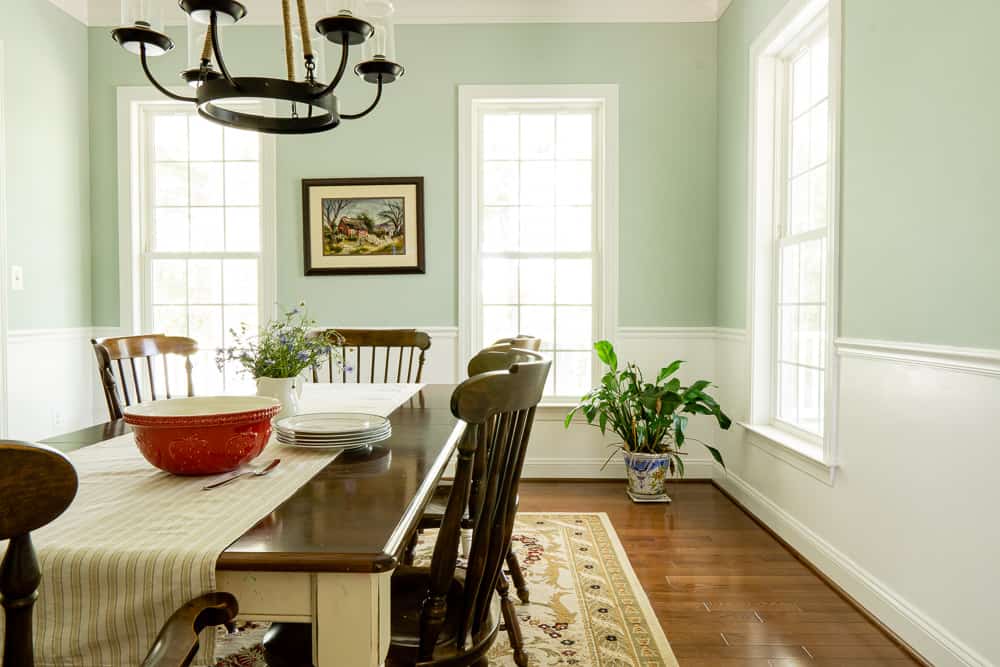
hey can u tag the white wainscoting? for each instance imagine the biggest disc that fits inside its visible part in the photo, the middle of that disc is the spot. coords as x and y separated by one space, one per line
52 382
906 527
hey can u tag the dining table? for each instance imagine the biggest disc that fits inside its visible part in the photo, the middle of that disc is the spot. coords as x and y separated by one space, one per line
325 555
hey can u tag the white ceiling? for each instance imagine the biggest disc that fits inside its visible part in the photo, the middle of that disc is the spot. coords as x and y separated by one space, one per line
106 12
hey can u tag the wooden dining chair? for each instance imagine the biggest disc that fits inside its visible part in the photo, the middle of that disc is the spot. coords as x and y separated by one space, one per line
375 355
37 484
521 342
129 361
441 615
494 358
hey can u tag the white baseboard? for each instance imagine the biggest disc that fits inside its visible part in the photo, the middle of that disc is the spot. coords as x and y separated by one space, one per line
927 637
590 468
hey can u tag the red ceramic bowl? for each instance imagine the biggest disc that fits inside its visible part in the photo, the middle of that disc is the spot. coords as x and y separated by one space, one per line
205 435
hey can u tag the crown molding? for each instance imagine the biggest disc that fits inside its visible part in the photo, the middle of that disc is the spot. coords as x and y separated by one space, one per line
78 9
267 12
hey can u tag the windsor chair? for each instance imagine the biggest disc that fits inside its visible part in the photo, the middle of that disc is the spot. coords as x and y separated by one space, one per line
374 355
443 615
131 366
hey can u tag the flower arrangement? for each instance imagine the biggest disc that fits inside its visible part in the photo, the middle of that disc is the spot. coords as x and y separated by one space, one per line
651 418
281 349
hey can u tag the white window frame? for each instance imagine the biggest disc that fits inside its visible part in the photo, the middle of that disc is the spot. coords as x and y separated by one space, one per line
603 98
132 104
766 197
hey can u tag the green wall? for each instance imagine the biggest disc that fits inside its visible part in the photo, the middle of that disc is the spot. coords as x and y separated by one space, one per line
666 74
739 26
47 170
920 202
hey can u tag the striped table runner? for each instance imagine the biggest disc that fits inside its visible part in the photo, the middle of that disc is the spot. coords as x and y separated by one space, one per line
138 543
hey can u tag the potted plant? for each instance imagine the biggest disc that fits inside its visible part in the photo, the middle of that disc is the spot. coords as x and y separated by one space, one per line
651 419
277 354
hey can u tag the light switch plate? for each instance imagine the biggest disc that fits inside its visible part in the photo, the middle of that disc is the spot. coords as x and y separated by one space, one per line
16 278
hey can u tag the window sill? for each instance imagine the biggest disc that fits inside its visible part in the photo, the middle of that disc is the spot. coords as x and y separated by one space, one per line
554 411
797 452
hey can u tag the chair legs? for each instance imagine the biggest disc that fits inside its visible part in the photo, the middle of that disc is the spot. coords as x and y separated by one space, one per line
511 622
466 542
411 549
515 573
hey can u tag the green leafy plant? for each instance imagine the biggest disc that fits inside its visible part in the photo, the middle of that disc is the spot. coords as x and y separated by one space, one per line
281 349
649 417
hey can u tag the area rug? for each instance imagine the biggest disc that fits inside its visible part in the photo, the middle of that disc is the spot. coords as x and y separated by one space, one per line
587 608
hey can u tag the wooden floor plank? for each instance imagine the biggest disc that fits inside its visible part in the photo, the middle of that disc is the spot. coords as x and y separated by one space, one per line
725 591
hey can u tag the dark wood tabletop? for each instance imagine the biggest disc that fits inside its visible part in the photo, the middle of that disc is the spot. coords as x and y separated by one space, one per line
357 514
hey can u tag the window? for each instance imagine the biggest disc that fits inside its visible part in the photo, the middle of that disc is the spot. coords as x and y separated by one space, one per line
536 194
802 237
793 199
200 249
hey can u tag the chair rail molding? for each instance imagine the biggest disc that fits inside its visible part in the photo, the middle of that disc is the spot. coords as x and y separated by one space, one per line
980 361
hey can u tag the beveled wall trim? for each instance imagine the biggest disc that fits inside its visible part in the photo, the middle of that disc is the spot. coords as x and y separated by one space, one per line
979 361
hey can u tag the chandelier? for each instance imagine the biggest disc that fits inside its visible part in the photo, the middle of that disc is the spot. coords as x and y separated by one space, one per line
266 104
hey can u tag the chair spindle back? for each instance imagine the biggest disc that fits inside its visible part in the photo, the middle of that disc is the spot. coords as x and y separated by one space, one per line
499 408
127 367
374 355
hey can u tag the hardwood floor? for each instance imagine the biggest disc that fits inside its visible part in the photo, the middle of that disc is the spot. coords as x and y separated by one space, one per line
726 592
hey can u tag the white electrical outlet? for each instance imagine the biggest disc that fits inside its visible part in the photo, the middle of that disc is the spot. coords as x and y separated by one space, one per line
16 278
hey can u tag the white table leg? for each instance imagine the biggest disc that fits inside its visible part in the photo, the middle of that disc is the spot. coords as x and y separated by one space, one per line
350 619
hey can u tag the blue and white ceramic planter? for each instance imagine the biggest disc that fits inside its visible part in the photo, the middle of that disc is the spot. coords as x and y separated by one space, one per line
647 476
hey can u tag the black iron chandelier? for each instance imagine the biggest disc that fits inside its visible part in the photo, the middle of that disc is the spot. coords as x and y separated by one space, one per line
267 104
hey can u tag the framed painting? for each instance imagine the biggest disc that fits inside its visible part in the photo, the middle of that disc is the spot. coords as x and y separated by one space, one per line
363 225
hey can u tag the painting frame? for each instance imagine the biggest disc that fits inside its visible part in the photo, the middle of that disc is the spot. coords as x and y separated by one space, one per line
409 189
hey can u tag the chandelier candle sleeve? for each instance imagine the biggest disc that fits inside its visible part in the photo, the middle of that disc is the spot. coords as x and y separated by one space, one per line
267 104
142 25
379 13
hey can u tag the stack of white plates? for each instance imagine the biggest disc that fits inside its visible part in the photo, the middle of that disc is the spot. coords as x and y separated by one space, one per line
332 430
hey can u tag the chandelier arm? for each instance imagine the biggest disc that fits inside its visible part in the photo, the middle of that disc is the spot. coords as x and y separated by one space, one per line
344 53
217 48
378 96
156 84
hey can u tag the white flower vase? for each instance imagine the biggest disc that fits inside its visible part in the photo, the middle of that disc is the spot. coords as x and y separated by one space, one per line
286 390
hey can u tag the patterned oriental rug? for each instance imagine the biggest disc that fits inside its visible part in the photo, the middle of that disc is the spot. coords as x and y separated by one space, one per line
587 608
